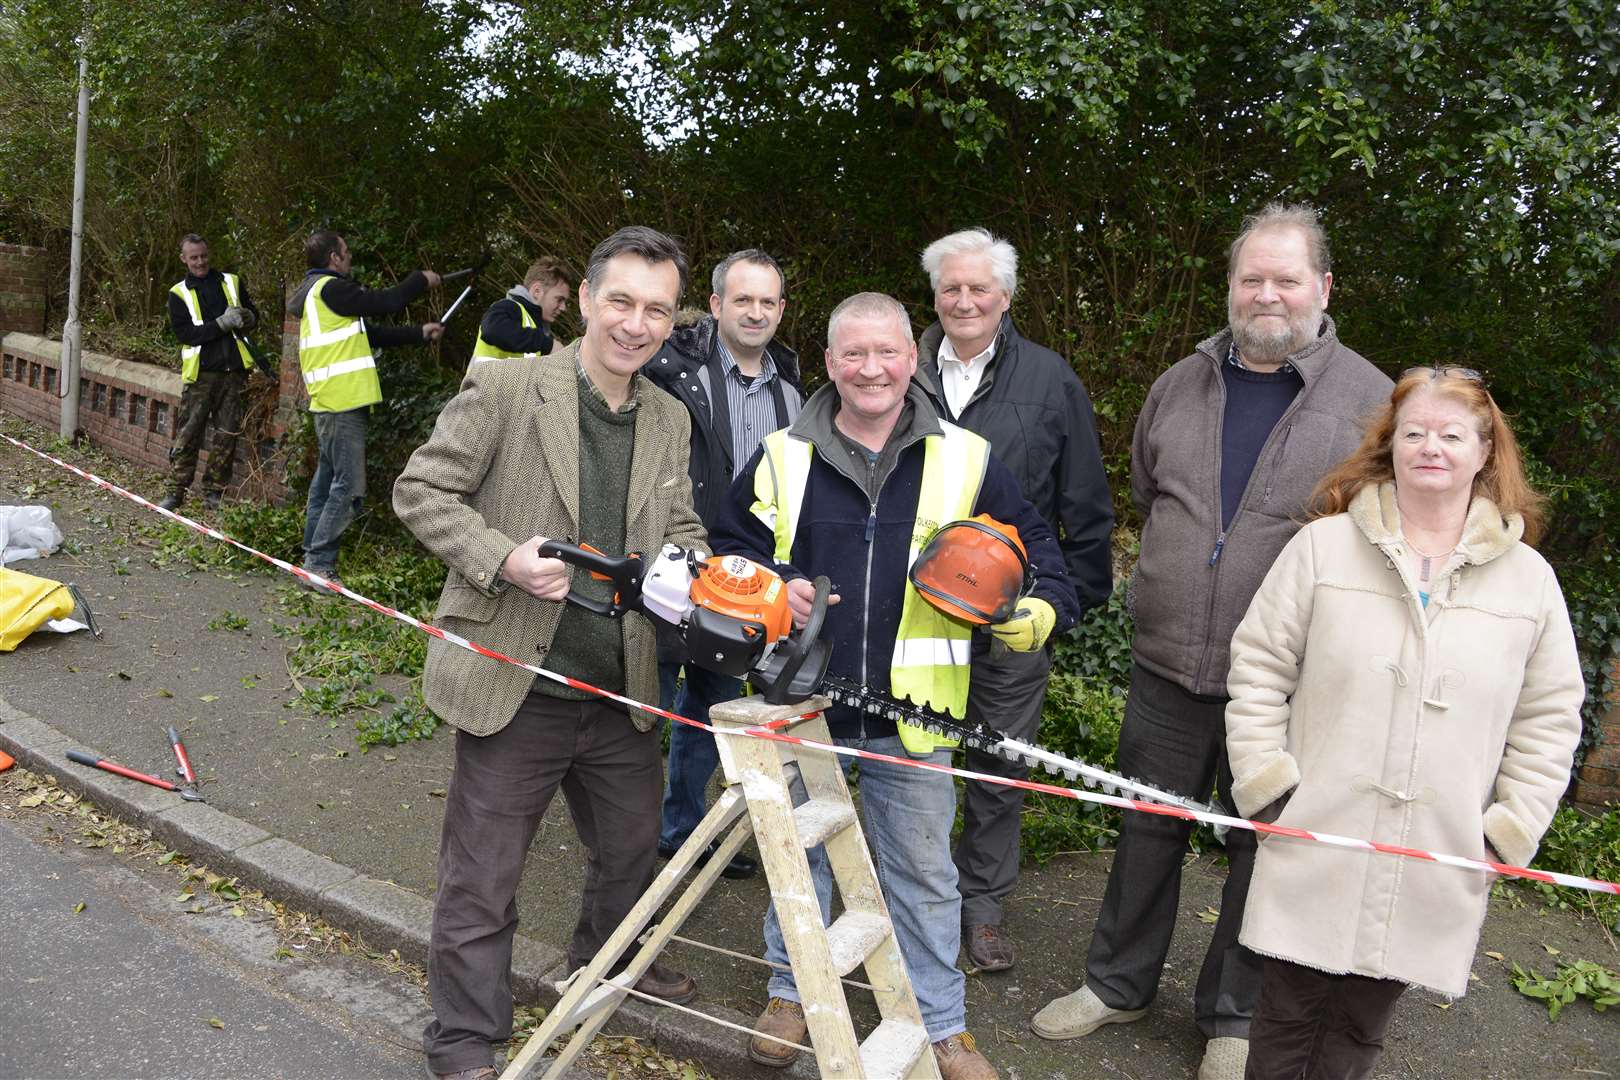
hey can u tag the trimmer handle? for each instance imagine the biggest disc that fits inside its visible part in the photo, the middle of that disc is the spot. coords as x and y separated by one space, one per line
626 572
795 669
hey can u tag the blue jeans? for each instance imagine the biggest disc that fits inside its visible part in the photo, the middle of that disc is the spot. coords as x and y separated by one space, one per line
692 753
908 814
337 487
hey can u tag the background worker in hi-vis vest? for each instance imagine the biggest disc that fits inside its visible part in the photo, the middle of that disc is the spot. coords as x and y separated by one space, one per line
518 325
335 353
209 312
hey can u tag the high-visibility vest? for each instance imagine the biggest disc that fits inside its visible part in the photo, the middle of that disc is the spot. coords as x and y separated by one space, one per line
483 350
335 356
191 355
929 663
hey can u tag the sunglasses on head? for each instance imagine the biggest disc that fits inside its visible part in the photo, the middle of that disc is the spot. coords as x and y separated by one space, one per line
1446 371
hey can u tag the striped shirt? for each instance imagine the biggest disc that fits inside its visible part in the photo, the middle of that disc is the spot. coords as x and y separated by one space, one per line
750 403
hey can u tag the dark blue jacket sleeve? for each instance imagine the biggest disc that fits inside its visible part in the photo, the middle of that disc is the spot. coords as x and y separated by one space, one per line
738 532
1000 498
503 328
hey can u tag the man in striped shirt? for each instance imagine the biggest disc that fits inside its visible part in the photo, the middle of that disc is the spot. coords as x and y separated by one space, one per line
740 384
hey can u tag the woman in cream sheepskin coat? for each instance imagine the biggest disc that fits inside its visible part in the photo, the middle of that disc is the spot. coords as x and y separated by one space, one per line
1407 674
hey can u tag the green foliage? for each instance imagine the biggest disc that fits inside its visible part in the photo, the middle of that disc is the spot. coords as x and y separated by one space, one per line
229 621
409 720
1587 845
1081 720
1582 979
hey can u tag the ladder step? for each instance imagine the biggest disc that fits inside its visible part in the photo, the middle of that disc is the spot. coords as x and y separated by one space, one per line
819 819
892 1049
853 937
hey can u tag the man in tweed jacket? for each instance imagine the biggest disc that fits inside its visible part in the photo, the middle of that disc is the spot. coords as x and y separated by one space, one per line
575 445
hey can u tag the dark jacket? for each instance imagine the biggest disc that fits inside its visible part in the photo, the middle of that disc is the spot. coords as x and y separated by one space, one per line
688 366
503 326
346 297
863 544
1193 582
1036 415
218 346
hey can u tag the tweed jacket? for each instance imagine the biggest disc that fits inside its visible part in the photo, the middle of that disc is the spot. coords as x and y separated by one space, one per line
501 466
1441 728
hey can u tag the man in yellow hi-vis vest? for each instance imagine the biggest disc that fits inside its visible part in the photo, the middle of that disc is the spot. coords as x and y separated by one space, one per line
335 353
853 490
209 312
518 325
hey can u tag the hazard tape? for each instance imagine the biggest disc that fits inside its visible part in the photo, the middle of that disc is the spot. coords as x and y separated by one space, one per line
772 730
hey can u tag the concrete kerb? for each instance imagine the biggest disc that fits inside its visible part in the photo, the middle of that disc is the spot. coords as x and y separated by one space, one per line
384 914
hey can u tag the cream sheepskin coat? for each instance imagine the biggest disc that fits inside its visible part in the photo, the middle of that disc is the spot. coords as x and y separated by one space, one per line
1441 728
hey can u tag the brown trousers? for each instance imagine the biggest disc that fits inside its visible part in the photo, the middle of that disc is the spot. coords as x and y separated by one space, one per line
1314 1025
612 776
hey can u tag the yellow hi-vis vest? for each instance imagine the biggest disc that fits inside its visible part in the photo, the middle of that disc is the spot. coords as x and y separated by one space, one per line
483 350
191 355
335 356
929 664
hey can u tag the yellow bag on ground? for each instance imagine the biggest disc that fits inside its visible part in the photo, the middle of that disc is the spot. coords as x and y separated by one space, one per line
27 601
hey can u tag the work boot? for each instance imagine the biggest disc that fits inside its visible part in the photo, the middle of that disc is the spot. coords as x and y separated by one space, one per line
667 984
739 868
211 500
1225 1058
989 947
959 1059
1077 1014
785 1020
478 1072
329 575
172 500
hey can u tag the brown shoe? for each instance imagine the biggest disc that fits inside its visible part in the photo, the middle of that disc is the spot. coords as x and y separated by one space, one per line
959 1059
667 984
989 948
477 1072
785 1020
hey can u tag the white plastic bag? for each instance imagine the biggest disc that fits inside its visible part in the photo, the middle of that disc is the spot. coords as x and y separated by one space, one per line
27 532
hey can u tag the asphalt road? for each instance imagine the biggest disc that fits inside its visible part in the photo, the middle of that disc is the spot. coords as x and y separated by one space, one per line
131 985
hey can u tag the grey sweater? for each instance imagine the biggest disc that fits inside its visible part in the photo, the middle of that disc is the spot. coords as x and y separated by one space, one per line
1193 582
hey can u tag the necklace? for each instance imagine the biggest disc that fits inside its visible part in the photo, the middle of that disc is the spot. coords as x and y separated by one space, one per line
1425 567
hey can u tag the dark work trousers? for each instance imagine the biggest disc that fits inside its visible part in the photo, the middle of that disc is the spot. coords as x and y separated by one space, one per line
216 396
1313 1025
1005 691
1175 741
612 776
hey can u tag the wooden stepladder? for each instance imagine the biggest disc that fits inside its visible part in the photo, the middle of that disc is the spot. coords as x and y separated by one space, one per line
758 773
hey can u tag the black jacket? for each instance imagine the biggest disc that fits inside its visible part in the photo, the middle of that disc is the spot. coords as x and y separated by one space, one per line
1037 416
218 346
688 366
503 326
346 297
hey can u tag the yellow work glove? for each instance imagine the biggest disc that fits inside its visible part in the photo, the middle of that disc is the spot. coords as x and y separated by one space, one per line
1028 627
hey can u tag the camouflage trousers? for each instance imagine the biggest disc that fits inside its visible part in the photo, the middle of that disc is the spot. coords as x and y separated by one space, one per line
217 398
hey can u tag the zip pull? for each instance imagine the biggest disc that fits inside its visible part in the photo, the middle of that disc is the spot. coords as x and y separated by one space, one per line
1220 542
871 525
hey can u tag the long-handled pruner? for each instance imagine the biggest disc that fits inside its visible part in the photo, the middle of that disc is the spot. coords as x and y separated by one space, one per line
471 272
103 764
182 760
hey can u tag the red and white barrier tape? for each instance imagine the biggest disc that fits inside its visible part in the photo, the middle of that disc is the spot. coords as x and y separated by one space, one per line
766 732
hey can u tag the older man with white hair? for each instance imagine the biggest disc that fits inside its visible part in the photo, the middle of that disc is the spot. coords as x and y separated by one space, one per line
1026 401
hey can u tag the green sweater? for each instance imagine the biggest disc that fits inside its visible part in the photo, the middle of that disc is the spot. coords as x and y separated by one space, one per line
587 646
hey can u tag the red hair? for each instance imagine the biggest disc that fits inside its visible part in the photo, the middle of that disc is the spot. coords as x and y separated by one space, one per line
1501 479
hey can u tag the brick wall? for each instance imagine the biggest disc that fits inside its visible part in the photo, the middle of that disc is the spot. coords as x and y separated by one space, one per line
22 289
127 408
1598 780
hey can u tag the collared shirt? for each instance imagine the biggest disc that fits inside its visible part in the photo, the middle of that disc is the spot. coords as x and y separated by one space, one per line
959 378
1236 361
586 386
750 404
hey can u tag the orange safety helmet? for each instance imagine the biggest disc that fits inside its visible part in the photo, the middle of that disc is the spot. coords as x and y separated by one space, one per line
975 569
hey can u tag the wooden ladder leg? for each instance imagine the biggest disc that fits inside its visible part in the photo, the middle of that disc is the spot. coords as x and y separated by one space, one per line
590 1000
863 934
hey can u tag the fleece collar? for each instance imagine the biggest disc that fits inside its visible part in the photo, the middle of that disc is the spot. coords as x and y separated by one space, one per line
1486 533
